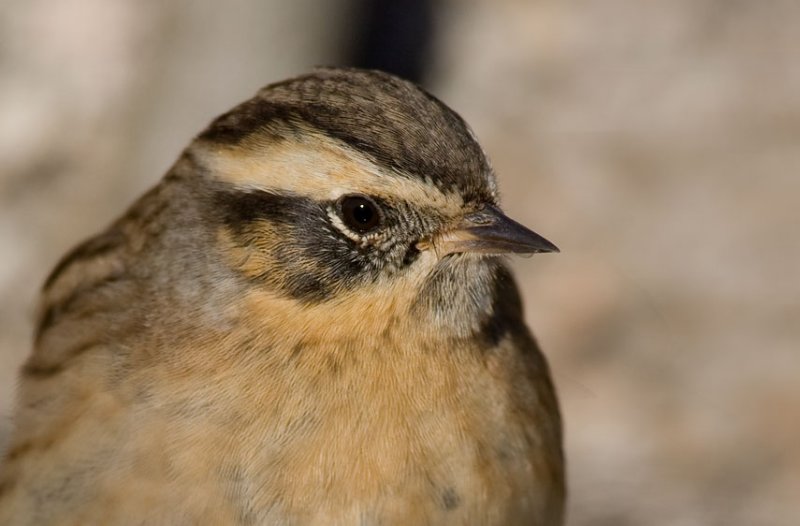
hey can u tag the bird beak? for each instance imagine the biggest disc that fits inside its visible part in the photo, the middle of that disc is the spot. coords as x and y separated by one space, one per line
488 231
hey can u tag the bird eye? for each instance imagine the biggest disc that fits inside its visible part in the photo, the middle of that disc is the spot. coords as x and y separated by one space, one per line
359 213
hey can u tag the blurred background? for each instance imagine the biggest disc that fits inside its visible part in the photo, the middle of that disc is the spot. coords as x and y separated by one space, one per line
657 143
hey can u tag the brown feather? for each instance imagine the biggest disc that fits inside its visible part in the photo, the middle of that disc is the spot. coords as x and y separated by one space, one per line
183 374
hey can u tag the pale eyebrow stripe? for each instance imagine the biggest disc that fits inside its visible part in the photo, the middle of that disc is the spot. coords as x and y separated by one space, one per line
316 167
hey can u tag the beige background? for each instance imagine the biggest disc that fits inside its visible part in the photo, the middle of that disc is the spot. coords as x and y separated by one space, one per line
657 143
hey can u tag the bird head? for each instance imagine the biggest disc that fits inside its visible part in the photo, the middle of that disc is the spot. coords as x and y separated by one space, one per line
349 191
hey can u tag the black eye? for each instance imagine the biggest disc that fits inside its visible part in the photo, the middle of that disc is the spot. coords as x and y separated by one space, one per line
359 213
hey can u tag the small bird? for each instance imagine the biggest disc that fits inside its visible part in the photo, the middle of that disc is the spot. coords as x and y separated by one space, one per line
308 321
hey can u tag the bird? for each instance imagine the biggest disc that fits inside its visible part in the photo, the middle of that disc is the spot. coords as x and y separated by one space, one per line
309 320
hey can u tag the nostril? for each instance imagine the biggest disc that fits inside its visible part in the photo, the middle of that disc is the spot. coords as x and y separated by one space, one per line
480 218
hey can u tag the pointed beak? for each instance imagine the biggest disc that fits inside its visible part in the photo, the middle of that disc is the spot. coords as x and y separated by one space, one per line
488 231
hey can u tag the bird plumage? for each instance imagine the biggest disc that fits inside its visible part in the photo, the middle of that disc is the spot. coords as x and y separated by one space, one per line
269 337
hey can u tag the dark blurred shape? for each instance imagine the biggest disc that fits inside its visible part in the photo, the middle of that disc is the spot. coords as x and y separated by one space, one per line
394 36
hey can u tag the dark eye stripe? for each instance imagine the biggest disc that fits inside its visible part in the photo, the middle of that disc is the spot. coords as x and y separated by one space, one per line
312 259
240 208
